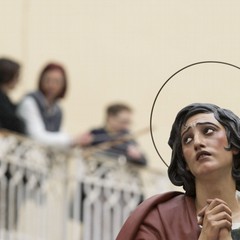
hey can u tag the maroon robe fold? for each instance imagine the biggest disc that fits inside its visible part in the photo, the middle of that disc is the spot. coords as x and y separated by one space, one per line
168 216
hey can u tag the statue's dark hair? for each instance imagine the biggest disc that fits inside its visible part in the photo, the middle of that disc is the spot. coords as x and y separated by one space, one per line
177 171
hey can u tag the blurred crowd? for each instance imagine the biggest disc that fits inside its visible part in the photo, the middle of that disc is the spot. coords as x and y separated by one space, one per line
38 115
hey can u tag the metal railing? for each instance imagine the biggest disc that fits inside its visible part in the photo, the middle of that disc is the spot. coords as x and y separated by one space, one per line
57 194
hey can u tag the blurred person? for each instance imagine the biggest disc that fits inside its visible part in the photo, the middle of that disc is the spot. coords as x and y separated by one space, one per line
9 77
115 129
41 111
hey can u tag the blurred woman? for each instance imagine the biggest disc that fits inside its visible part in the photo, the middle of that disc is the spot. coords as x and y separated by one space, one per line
41 111
9 75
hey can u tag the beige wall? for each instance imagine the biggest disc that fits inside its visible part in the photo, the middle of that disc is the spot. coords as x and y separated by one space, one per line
125 50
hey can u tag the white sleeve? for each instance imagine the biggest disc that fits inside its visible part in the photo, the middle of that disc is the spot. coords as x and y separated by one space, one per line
29 112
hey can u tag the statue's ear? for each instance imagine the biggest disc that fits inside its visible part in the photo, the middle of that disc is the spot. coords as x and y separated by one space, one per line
235 151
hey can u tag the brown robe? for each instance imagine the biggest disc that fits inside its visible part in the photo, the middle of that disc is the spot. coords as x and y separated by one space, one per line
168 216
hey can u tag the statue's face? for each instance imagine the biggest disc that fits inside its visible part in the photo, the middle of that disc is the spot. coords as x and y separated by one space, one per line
204 143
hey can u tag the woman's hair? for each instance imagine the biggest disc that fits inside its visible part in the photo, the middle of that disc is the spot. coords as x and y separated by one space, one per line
9 69
50 67
177 171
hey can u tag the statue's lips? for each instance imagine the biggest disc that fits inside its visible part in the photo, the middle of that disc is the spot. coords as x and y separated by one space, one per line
202 154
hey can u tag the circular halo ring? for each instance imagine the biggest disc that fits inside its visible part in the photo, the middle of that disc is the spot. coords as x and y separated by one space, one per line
164 84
